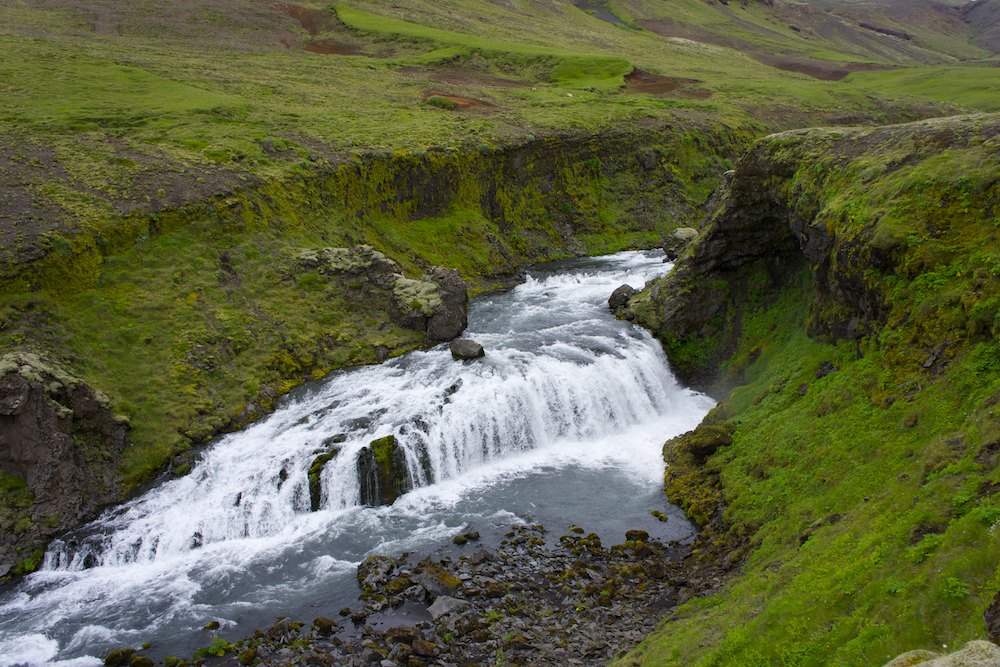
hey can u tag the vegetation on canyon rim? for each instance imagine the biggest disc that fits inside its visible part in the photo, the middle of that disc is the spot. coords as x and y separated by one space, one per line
864 465
163 168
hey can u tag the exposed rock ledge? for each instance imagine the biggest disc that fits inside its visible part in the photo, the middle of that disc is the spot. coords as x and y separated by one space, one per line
59 452
778 216
436 304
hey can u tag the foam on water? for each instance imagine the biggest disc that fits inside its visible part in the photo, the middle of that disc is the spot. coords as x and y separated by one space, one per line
563 385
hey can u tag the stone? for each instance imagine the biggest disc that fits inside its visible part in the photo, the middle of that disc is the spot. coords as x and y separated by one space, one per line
620 297
677 240
991 618
445 604
382 472
636 536
977 653
120 657
424 648
480 556
464 348
315 474
324 625
451 316
435 579
141 661
373 573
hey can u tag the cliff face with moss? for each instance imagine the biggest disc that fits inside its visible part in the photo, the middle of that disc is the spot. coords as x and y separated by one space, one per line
849 289
194 320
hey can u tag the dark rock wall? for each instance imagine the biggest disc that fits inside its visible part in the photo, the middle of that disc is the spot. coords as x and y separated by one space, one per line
58 436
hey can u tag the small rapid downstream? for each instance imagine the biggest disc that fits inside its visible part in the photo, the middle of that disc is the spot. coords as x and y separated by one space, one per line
560 423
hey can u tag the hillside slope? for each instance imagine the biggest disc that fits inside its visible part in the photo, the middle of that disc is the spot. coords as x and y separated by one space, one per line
849 288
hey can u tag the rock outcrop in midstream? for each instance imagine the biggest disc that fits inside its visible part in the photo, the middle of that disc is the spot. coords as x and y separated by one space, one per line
58 444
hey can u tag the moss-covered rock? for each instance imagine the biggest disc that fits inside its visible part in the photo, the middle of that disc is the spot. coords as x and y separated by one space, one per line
315 474
382 472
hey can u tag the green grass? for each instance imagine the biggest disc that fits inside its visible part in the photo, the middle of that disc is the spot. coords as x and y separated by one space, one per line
972 87
568 68
862 480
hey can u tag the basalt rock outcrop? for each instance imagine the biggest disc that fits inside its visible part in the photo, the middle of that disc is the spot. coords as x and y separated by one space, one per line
59 449
436 304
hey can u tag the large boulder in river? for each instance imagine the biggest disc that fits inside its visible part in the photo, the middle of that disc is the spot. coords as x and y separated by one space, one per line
677 240
436 304
619 298
382 472
463 348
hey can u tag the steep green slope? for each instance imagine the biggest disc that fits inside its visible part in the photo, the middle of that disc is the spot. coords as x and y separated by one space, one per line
853 279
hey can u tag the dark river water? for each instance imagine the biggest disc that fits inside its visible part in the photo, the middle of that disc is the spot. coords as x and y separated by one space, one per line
561 423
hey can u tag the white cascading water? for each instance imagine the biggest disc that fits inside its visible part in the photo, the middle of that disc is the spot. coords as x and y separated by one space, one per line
564 386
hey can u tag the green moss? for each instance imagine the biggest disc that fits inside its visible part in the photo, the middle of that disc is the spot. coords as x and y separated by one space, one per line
441 102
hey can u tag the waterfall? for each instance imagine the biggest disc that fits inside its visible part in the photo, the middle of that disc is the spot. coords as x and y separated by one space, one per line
561 381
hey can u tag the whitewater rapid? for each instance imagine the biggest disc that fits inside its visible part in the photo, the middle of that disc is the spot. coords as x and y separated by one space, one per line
562 420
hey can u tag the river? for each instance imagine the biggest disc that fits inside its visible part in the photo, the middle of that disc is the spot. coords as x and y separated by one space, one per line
561 423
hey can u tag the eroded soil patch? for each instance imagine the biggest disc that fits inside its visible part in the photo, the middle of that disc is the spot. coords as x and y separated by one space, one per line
460 75
458 102
640 81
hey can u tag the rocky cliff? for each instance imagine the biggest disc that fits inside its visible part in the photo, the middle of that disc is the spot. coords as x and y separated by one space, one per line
59 442
869 212
844 302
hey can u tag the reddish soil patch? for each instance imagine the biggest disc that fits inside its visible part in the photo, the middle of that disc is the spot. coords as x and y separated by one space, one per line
646 82
459 75
318 22
332 47
640 81
313 21
461 103
818 69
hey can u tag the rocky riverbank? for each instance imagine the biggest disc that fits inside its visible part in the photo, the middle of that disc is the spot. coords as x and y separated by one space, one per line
535 599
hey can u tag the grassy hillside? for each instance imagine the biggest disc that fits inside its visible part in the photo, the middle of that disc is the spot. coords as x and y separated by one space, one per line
118 107
863 460
163 166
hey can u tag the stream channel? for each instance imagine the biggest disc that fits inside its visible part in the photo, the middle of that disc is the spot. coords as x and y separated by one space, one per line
561 423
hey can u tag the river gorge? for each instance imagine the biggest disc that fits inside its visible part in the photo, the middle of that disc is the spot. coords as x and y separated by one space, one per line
561 423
